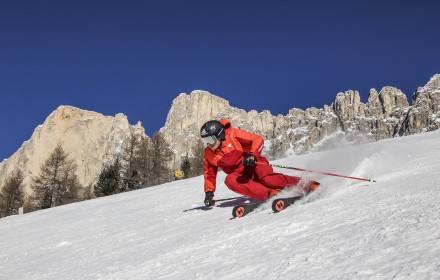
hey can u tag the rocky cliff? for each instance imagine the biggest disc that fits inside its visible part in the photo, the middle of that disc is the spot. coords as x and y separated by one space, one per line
424 115
189 112
89 138
386 114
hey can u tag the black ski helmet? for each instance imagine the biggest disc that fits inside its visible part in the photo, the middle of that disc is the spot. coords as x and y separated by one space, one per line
212 131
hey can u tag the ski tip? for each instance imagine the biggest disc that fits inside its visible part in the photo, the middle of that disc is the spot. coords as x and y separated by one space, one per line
372 181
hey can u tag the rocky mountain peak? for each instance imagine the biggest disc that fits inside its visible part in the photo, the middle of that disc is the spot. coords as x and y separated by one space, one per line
424 114
348 105
385 114
89 138
92 139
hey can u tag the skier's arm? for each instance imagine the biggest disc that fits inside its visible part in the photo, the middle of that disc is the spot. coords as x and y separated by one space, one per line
210 174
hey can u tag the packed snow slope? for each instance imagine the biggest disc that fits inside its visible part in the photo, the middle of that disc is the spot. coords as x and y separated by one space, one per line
345 230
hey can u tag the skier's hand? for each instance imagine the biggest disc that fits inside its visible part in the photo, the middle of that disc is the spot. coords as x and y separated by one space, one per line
209 199
249 160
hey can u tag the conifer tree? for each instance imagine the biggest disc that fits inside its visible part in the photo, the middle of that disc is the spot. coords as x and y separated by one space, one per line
161 156
57 183
129 172
185 166
144 164
197 159
12 195
109 181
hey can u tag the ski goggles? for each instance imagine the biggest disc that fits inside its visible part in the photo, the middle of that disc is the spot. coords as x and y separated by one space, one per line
209 140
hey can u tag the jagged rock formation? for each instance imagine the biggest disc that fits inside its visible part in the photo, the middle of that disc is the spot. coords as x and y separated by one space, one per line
92 139
89 138
377 118
425 112
386 114
189 112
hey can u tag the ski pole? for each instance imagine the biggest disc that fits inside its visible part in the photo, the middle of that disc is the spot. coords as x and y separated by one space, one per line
324 173
226 199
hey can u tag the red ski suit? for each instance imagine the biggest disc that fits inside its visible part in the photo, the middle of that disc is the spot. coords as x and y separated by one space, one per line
254 182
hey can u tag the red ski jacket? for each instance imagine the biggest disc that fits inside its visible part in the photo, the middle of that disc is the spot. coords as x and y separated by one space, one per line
229 155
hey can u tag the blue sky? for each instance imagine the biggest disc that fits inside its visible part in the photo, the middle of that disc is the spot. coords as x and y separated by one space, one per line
135 57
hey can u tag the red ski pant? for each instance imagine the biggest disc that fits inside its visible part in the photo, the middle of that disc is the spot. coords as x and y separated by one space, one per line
257 181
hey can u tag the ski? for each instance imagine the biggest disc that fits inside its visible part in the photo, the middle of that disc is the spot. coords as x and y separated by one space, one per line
280 204
244 209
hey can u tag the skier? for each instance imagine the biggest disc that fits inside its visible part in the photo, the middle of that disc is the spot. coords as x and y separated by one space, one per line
238 153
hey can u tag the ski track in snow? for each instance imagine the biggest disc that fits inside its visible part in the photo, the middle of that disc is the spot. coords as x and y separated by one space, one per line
345 230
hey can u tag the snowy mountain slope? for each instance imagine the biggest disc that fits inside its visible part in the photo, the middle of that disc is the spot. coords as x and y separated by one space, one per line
345 230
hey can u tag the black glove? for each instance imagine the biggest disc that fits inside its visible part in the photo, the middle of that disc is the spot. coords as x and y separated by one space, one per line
209 199
249 160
